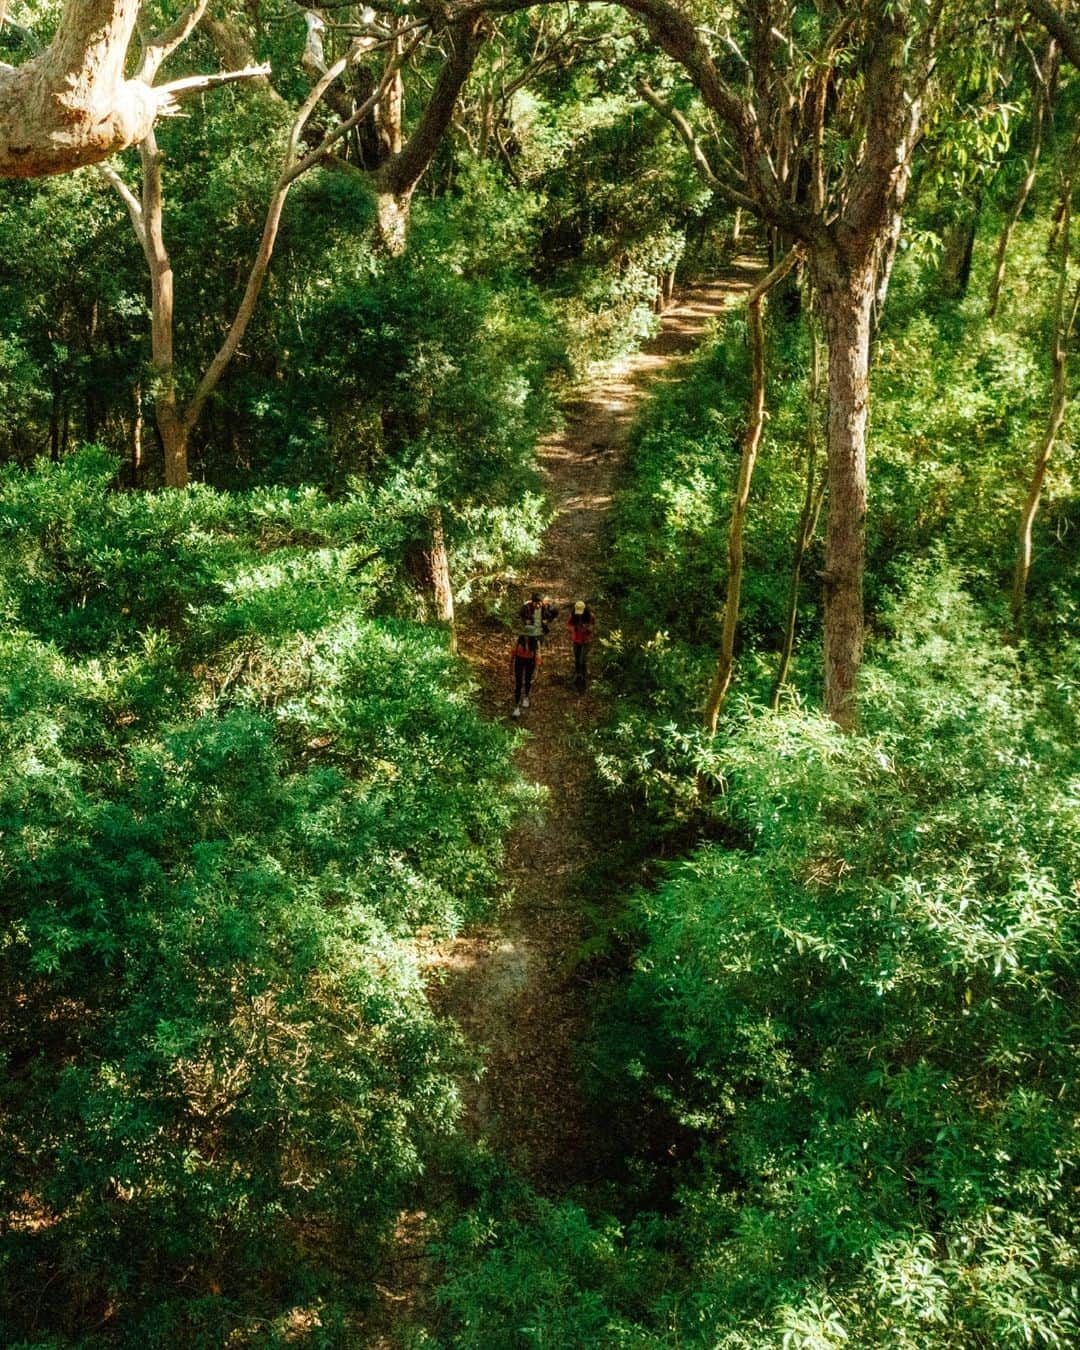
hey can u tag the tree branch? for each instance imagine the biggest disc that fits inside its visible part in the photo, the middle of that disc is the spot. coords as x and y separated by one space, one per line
400 174
129 199
697 154
162 45
1058 26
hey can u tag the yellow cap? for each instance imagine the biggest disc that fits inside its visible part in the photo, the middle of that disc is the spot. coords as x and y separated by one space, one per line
579 608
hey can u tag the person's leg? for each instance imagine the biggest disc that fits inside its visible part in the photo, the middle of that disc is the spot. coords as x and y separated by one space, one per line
530 670
520 667
579 659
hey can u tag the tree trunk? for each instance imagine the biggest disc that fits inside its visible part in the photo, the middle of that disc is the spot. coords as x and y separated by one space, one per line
392 222
437 566
751 441
71 105
808 517
136 437
167 412
1059 351
887 250
847 300
957 256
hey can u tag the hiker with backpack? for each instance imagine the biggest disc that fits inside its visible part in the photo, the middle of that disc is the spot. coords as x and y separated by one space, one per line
581 625
523 662
537 614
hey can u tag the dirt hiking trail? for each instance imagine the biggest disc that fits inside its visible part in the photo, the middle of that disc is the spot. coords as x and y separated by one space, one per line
512 986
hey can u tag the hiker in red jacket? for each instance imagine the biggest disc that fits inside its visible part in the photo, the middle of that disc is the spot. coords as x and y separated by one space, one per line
523 662
581 626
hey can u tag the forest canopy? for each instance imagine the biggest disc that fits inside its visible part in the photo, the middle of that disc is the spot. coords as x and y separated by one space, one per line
316 327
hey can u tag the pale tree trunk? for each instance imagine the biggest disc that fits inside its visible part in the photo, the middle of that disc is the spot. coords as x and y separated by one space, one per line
71 104
847 301
808 518
1044 82
392 207
889 245
437 565
1064 322
167 413
751 442
176 422
136 437
392 222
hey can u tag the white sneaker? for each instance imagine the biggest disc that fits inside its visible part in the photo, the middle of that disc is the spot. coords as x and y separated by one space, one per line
516 712
524 702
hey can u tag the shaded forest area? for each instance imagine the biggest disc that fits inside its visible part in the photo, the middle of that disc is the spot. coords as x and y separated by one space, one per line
288 299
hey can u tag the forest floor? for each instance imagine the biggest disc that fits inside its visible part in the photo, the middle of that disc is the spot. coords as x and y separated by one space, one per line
515 986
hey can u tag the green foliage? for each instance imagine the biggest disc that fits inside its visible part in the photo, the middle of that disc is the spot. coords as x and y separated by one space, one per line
524 1272
871 1005
961 407
229 799
860 1008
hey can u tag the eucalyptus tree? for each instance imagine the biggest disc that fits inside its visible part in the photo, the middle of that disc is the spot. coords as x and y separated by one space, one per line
72 104
395 176
821 108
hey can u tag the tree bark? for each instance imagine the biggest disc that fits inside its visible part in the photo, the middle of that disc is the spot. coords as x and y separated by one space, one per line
397 177
808 517
437 566
751 442
847 300
175 423
136 437
957 256
392 221
167 413
71 104
1063 325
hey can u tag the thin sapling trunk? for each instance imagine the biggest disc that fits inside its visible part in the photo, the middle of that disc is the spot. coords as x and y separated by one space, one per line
751 442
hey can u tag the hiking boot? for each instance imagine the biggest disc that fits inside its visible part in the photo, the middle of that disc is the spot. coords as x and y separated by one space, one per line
516 712
524 702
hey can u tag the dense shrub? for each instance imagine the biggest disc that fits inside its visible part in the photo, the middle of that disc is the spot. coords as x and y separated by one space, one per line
229 799
863 1016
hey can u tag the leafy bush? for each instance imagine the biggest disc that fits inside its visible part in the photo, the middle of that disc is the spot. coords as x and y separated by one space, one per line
869 1009
229 799
859 1013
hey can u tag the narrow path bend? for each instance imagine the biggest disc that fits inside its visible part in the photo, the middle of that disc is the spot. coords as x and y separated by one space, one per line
512 986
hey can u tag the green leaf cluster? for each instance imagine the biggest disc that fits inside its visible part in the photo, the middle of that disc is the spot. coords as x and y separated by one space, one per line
231 798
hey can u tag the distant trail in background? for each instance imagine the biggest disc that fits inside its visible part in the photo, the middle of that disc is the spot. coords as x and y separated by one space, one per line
512 986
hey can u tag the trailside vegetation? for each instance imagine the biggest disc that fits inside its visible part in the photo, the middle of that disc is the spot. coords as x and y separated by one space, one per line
273 376
835 1038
